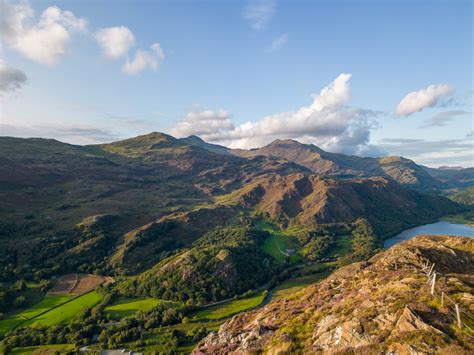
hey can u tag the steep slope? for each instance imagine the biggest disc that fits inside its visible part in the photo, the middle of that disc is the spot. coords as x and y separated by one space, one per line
223 263
310 199
402 170
47 187
380 306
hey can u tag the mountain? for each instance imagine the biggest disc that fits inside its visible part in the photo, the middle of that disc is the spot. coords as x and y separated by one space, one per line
185 226
383 305
156 190
308 200
404 171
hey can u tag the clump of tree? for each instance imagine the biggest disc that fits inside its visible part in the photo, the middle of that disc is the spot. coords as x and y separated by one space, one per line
221 264
364 242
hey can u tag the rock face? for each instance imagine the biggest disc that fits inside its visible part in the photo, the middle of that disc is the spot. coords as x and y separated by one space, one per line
380 306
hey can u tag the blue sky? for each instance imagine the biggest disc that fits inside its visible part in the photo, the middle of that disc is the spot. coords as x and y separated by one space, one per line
242 73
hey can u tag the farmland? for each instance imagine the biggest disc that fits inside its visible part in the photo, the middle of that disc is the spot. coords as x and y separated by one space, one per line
229 308
43 349
65 311
48 302
125 307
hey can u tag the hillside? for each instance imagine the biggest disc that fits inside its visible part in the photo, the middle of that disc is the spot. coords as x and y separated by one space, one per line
382 305
156 190
308 200
404 171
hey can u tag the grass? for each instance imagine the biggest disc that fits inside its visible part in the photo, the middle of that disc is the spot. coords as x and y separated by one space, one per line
342 246
228 309
125 307
278 242
66 311
295 284
48 302
44 349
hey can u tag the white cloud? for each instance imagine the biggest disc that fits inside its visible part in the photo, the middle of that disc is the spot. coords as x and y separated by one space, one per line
278 42
203 123
115 41
327 122
45 41
416 101
144 59
259 13
11 79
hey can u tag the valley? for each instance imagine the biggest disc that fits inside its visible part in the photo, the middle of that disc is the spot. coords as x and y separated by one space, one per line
154 242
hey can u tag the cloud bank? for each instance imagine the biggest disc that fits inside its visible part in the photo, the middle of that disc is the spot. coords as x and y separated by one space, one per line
327 122
43 41
416 101
443 118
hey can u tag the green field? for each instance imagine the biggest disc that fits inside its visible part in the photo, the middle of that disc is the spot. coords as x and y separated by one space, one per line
66 311
125 307
49 301
228 308
277 244
44 349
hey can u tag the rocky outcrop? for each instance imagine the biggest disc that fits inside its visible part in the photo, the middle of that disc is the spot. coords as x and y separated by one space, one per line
380 306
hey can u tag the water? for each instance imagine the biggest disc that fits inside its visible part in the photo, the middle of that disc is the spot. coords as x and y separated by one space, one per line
440 228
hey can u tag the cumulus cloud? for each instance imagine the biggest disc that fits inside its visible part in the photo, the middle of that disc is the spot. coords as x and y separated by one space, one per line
443 118
278 42
258 13
11 79
328 122
115 41
144 59
416 101
203 123
44 41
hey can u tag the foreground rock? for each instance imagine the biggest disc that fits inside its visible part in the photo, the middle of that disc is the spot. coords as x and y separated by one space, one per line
383 305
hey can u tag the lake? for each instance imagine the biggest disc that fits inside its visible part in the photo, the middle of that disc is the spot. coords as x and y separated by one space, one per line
440 228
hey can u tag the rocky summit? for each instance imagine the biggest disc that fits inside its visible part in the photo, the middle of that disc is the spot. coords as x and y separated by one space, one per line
383 305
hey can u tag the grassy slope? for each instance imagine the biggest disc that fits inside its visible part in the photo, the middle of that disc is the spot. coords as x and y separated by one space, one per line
278 243
49 301
66 311
228 308
125 307
44 349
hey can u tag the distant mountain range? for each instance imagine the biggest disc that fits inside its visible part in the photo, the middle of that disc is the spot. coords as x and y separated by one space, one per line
197 224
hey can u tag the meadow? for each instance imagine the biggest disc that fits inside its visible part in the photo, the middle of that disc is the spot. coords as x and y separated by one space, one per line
125 307
44 349
229 308
48 302
65 311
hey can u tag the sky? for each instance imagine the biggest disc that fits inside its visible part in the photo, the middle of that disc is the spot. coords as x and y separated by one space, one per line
367 78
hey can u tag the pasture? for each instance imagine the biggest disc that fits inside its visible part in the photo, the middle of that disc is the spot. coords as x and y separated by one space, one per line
228 308
125 307
44 349
65 311
48 302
